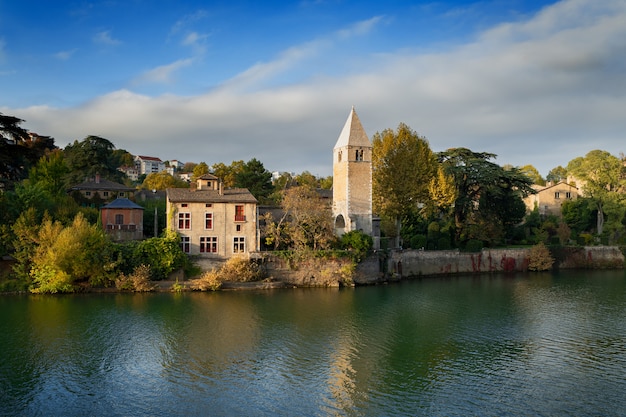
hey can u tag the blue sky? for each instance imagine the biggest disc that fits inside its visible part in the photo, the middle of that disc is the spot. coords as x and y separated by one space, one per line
535 82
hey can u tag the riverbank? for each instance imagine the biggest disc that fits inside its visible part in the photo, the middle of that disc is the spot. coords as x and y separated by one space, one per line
383 267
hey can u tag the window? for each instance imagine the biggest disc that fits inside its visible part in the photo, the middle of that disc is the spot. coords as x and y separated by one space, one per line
339 156
184 220
119 219
184 205
208 244
239 228
557 195
87 193
122 194
185 244
568 195
208 221
239 244
209 205
239 216
105 193
359 154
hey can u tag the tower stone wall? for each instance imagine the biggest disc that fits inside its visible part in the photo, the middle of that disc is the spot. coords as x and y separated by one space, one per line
352 178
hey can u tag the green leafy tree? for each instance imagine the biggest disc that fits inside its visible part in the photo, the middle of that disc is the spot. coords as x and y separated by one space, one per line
227 173
557 175
603 177
256 179
306 179
403 166
19 150
50 172
531 172
90 157
326 183
476 178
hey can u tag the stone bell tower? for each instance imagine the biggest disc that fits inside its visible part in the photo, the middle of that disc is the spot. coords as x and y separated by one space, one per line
352 178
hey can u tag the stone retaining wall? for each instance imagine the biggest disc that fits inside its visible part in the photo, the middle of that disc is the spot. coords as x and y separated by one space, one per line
409 263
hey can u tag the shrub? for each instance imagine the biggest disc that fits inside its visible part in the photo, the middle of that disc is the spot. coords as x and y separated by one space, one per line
358 243
240 269
474 245
418 241
444 243
540 258
209 281
138 281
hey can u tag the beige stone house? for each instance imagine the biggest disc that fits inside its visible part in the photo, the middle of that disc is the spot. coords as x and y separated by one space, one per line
213 222
550 198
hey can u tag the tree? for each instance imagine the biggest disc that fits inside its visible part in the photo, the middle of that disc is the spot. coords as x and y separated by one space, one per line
532 173
50 172
403 166
603 175
65 256
19 150
557 175
227 173
307 179
256 179
90 157
306 223
161 181
199 170
480 185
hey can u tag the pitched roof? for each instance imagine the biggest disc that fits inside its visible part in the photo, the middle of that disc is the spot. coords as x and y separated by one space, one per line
353 133
122 203
231 195
101 184
149 158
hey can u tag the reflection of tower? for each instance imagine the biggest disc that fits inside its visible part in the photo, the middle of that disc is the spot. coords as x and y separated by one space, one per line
352 178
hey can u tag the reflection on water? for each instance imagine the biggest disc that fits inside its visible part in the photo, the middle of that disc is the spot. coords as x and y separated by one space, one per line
538 344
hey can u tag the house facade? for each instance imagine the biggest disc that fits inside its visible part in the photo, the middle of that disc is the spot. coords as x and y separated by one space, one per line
122 220
148 164
213 222
550 198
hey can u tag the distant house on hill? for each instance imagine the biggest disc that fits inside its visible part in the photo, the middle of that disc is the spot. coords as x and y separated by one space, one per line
550 198
213 222
148 164
100 189
122 220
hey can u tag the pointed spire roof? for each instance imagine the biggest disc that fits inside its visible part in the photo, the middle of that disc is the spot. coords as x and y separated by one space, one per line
353 133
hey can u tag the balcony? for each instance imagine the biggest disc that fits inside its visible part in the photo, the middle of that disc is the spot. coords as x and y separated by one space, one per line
240 218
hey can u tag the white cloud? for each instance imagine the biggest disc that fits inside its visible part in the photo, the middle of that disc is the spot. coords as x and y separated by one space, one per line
540 91
105 38
164 73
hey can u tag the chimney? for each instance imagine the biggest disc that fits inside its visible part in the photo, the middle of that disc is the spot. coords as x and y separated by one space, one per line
97 178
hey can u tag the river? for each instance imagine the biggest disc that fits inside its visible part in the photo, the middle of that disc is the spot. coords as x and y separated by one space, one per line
490 345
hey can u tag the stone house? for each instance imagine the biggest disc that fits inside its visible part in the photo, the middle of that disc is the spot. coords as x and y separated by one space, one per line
213 222
550 198
122 220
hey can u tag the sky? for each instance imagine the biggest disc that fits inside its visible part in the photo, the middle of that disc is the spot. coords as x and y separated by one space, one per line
533 81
